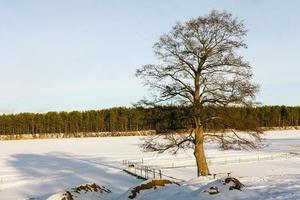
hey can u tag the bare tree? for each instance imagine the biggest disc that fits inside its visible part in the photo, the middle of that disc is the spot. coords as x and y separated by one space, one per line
198 65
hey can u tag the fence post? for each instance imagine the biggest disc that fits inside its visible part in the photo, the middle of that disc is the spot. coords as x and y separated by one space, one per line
148 169
153 173
146 172
160 174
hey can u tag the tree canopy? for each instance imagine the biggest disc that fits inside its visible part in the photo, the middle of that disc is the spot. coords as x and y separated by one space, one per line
199 65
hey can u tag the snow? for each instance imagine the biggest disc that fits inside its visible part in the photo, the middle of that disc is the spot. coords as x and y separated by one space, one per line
40 168
37 168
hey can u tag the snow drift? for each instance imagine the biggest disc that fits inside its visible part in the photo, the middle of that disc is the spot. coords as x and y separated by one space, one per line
201 188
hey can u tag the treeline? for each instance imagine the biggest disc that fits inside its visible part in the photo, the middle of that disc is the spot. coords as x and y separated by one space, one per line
158 118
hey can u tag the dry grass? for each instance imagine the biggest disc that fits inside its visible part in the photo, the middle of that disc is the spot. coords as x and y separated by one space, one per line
92 188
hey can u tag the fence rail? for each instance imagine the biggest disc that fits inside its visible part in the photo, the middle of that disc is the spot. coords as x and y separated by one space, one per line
190 162
149 168
142 171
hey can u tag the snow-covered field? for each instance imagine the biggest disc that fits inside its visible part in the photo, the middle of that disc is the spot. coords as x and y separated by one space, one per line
39 168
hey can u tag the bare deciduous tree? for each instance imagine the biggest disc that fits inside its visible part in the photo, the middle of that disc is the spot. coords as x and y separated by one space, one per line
199 66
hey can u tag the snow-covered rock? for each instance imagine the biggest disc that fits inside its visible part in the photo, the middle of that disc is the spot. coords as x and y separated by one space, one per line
83 192
221 189
147 188
224 188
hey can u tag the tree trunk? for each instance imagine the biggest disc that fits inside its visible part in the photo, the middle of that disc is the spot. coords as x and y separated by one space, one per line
202 167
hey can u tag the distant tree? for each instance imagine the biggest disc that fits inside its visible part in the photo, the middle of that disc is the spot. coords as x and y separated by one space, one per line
199 66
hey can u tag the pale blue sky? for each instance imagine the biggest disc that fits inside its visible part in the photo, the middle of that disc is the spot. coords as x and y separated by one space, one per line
79 55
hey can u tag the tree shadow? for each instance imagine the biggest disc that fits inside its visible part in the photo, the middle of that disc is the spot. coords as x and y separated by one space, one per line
50 173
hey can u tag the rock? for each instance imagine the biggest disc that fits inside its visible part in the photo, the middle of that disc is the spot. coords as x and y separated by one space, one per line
235 183
212 190
223 186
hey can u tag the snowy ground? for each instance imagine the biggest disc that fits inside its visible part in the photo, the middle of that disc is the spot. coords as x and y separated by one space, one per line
39 168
